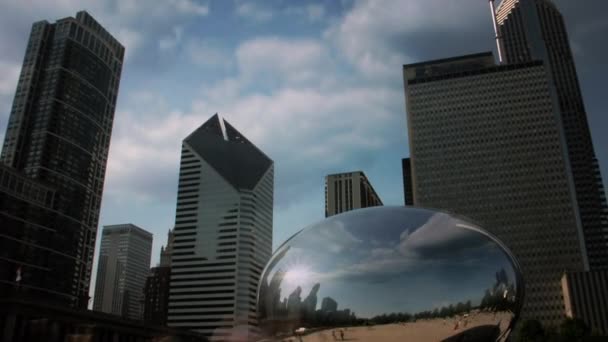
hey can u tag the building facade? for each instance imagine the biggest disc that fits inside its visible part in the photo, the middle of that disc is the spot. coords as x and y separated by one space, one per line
156 290
27 320
348 191
58 134
156 296
124 264
223 231
408 194
586 298
486 142
166 251
535 30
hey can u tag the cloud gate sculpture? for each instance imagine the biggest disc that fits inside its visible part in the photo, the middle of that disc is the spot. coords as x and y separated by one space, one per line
390 274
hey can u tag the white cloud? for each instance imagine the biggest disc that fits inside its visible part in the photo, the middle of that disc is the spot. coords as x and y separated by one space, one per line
170 42
252 11
190 7
312 12
315 12
131 40
208 53
370 34
9 75
158 8
295 61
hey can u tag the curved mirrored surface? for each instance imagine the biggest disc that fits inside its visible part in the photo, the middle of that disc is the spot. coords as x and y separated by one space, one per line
390 274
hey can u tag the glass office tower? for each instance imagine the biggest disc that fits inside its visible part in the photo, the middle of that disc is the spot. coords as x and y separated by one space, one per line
223 231
58 135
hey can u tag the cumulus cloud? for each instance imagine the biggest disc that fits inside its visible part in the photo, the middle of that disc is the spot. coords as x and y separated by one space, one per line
171 41
10 74
379 36
157 8
294 61
253 11
312 12
130 39
208 53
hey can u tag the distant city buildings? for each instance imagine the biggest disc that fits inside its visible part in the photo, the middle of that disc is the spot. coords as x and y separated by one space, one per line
55 152
408 191
166 251
348 191
124 263
156 296
329 305
156 289
223 231
509 147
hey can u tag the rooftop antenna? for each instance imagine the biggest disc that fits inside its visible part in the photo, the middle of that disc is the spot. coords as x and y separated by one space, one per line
497 32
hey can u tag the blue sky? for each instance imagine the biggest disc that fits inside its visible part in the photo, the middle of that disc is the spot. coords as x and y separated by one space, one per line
317 85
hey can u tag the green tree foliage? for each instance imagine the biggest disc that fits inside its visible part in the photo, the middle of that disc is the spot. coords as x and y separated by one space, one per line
531 331
574 330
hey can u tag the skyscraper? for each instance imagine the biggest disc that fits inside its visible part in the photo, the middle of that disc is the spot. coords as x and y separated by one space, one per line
166 251
223 230
124 263
487 142
156 290
535 30
58 135
348 191
408 195
156 296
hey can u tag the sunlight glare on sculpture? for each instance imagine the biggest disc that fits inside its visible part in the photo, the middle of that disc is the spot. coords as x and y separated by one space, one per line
390 274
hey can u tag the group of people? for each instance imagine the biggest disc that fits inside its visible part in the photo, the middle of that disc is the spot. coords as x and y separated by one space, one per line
341 331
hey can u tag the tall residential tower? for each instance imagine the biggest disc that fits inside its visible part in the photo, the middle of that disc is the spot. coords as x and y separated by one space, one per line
58 136
223 231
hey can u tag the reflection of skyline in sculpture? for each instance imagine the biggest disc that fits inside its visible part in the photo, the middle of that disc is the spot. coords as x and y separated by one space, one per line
329 305
462 261
420 265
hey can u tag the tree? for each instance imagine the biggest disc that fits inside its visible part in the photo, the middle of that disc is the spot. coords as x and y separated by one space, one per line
531 331
574 329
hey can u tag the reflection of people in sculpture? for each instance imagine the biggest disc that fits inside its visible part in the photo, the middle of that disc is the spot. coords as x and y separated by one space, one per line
333 333
342 334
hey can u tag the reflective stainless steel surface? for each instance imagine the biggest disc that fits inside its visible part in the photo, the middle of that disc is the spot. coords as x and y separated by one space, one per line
390 274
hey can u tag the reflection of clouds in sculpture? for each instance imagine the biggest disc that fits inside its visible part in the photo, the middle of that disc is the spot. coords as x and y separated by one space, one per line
332 237
417 250
437 237
383 260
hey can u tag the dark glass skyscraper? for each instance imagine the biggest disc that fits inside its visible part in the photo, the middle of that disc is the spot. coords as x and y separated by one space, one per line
535 30
58 135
